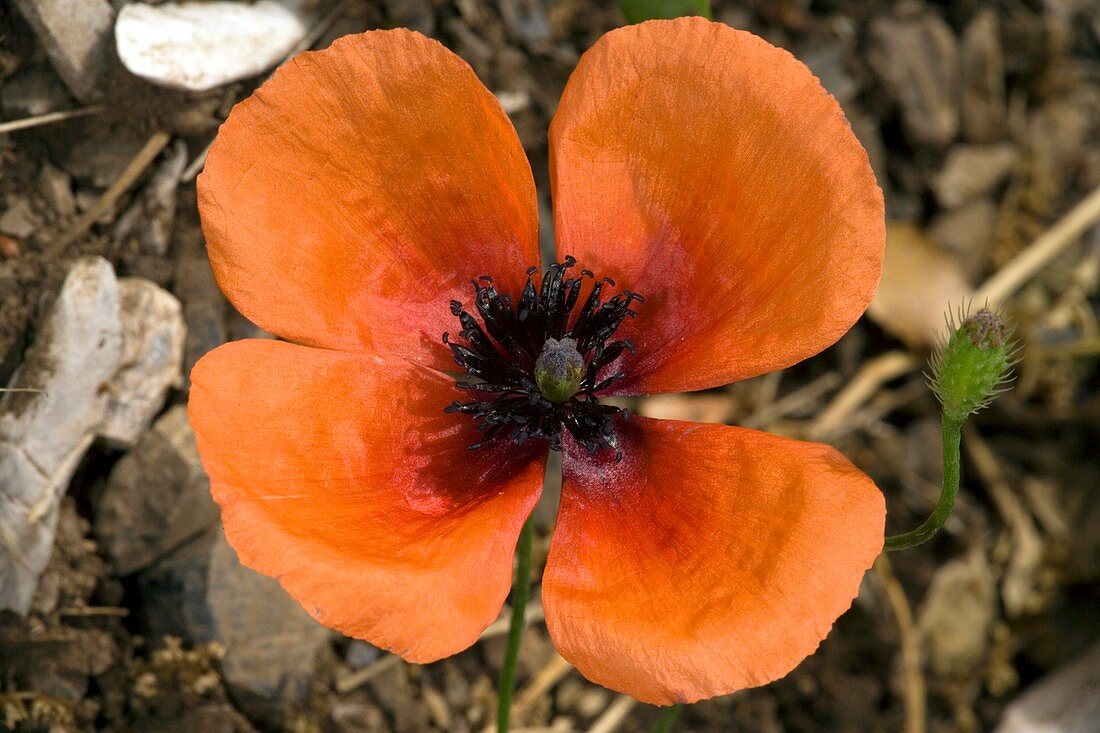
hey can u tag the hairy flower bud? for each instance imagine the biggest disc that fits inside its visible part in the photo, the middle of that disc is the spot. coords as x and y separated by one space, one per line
973 364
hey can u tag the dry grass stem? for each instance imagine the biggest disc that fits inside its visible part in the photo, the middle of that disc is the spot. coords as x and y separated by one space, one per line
137 165
870 378
48 118
550 675
360 677
916 698
797 400
1045 248
614 716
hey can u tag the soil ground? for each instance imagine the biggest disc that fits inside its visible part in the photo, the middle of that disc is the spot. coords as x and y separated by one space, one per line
1006 596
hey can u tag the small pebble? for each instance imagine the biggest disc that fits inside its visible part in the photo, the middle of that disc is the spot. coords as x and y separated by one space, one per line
9 247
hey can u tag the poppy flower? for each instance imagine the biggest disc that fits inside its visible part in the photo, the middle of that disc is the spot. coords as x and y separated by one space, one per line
347 207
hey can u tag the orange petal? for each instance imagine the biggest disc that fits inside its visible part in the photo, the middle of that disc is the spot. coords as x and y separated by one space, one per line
341 475
359 190
710 172
711 559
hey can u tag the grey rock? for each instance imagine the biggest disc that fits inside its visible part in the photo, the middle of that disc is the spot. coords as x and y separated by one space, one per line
360 654
204 306
33 91
199 46
827 54
957 615
102 159
353 716
18 220
967 232
972 171
150 218
57 188
867 132
1057 131
76 35
526 20
984 112
153 334
43 434
916 56
396 695
1065 701
583 700
157 497
101 365
203 594
416 15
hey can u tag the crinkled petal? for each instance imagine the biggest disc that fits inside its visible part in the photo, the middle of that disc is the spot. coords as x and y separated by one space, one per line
710 559
360 189
710 171
340 475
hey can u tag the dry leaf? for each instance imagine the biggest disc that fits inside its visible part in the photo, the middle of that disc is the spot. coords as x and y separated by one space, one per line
920 283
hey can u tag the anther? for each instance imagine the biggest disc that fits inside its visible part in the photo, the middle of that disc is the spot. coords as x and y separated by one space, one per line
536 367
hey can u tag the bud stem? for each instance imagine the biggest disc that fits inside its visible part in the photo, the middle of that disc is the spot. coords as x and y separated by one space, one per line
667 721
952 431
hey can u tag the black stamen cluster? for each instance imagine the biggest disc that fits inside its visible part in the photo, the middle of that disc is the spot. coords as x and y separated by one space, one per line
499 358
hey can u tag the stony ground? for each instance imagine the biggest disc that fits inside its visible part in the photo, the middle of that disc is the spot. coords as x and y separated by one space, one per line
982 121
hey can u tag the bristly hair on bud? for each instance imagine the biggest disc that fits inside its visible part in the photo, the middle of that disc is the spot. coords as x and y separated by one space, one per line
973 363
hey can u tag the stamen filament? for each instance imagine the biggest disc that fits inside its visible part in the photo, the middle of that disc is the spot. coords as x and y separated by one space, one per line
535 368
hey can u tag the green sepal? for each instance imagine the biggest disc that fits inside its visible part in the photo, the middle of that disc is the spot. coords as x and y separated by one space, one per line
971 367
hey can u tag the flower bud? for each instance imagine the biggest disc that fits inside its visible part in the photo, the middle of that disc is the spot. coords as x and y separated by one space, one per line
971 367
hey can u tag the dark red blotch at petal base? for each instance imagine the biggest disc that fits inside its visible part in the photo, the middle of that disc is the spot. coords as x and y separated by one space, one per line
710 559
710 171
358 191
340 475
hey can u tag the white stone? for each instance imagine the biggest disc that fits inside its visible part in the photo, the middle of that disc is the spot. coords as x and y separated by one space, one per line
101 365
153 333
201 45
43 434
76 36
1064 701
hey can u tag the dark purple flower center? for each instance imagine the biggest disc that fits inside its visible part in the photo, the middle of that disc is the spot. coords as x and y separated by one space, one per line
536 367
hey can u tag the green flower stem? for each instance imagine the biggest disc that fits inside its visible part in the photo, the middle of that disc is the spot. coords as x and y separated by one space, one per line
952 430
637 11
521 589
668 718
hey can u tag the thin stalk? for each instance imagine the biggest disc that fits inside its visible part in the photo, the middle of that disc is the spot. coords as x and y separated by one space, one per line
521 589
668 718
952 431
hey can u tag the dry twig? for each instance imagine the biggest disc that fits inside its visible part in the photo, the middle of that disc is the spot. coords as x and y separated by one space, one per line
870 378
360 677
916 699
1045 248
1002 284
48 118
799 399
551 674
127 178
614 716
